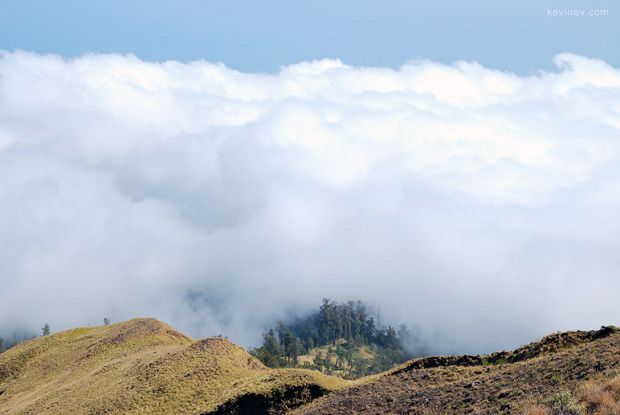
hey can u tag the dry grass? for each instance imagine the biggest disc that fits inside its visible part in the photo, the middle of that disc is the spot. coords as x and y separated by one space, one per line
134 367
363 352
541 378
594 397
537 410
601 397
143 366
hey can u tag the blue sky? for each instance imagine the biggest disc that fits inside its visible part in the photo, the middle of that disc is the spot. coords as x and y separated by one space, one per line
263 35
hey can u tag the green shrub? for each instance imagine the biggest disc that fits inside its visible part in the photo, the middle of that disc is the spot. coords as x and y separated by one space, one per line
564 403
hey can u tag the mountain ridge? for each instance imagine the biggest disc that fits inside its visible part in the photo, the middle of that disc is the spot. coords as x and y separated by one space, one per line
141 365
532 376
145 366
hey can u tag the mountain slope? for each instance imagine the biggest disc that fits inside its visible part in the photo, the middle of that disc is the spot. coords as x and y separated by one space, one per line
145 366
142 366
504 382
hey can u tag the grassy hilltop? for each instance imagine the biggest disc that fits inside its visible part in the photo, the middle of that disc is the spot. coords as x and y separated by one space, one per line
140 366
143 366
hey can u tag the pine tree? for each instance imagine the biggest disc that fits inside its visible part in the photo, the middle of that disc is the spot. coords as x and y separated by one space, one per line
347 322
343 328
271 351
45 329
368 330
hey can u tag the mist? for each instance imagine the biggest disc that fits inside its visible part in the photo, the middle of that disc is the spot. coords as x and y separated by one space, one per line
479 206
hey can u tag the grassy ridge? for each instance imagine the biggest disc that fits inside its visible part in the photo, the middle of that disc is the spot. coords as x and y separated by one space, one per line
144 366
138 366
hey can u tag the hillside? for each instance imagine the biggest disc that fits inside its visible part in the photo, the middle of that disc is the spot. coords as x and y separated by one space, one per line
145 366
566 373
346 359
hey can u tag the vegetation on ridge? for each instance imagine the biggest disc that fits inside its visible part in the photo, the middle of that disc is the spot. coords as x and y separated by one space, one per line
145 366
341 339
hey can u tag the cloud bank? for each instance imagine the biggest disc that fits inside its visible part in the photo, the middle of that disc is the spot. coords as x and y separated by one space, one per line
477 205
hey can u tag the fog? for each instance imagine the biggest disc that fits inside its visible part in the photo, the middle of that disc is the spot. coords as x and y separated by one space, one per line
479 206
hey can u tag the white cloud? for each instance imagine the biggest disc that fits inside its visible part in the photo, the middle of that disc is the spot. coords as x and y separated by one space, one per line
473 203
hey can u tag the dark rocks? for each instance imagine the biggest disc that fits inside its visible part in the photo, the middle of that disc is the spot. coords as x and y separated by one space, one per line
503 394
442 361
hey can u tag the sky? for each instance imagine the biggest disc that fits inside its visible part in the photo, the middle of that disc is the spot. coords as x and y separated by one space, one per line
252 35
219 189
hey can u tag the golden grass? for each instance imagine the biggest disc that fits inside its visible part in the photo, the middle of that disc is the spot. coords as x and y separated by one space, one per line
537 410
143 366
601 397
364 352
330 350
135 367
594 397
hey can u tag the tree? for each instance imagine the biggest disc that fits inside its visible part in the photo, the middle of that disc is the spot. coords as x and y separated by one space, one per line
271 343
45 329
297 349
1 344
292 347
106 321
270 352
329 322
347 322
341 357
358 309
323 363
369 330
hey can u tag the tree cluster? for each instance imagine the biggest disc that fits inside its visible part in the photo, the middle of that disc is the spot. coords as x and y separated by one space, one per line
344 327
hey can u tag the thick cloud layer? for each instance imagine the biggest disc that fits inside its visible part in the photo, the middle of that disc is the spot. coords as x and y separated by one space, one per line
478 205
